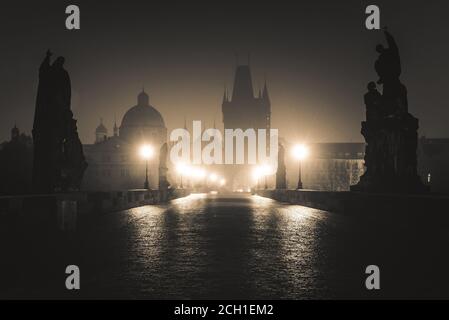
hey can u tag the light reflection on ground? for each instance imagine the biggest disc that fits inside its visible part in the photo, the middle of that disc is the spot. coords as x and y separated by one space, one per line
205 246
232 247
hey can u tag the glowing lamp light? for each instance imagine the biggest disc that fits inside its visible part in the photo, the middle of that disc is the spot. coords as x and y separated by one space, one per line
222 182
300 152
266 170
146 152
199 173
259 172
213 177
181 168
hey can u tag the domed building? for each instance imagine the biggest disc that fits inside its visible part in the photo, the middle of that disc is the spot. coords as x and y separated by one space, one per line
114 161
101 133
143 123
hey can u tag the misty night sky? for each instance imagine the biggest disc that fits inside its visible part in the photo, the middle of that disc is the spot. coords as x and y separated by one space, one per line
317 57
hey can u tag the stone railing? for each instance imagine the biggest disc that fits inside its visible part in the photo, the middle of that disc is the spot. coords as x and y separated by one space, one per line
65 210
100 202
366 203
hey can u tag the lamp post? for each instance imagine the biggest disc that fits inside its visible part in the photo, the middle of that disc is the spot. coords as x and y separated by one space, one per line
299 175
182 169
300 152
266 171
146 152
257 174
212 180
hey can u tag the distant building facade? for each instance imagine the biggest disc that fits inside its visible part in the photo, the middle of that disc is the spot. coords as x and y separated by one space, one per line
333 166
433 163
114 161
16 164
337 166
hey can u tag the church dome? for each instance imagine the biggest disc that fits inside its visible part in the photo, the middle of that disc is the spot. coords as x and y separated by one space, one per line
101 128
142 115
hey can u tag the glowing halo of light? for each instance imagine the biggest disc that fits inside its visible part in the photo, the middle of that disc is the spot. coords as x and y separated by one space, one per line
257 172
199 173
300 151
182 168
146 151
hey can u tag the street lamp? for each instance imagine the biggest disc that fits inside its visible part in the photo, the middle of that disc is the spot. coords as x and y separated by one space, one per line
146 152
257 174
300 152
182 170
265 171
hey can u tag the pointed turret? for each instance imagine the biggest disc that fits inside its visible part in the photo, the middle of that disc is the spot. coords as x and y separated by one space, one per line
101 133
115 127
225 95
265 94
143 99
243 86
15 132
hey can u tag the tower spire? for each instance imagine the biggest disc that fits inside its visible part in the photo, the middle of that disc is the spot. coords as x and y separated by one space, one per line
265 94
143 98
243 86
101 133
15 132
115 127
225 94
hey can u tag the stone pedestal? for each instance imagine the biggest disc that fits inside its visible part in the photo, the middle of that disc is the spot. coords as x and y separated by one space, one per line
391 156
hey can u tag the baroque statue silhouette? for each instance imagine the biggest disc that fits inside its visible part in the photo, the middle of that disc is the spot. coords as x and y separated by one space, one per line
281 178
59 162
390 131
163 181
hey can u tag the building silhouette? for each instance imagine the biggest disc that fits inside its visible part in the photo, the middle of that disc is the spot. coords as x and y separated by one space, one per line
245 110
16 164
433 157
101 133
114 161
332 166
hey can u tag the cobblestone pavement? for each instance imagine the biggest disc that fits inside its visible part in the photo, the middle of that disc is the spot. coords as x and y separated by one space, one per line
248 247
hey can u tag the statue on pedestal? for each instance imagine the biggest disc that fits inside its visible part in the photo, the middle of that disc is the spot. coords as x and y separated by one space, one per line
163 181
281 180
59 162
390 131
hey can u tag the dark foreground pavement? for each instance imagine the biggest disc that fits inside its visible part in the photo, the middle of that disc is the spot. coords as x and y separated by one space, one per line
225 247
